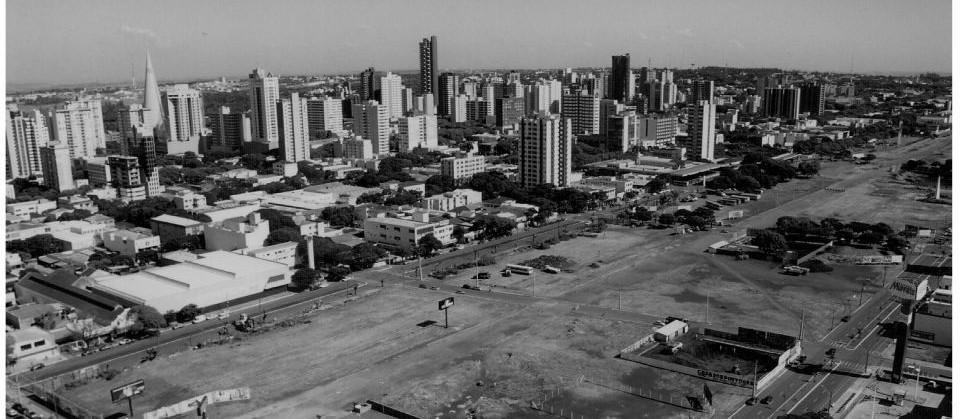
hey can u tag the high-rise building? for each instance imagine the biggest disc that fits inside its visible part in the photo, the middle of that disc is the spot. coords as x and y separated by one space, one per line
647 75
701 90
183 107
470 89
293 129
425 104
545 151
608 108
25 137
229 130
701 134
655 96
371 121
143 146
57 169
428 66
391 94
79 125
509 111
264 94
812 98
584 111
449 85
621 78
478 110
370 85
325 114
406 96
622 130
418 131
458 111
125 174
781 102
357 148
656 130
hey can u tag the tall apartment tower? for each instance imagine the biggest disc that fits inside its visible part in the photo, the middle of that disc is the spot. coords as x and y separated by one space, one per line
229 130
125 175
701 90
583 111
449 85
391 95
371 121
325 114
143 146
545 151
812 98
418 131
781 102
621 78
183 107
79 125
57 171
293 128
701 135
428 65
25 138
264 94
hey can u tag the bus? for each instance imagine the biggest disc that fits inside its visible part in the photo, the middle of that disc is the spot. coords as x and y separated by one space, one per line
520 269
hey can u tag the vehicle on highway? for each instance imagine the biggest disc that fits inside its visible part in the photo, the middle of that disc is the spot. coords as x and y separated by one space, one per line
36 366
481 275
176 325
751 401
766 400
124 341
199 319
794 270
223 315
845 319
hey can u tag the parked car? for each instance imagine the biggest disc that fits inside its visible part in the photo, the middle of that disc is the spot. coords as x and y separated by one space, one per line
199 319
766 400
223 315
751 401
845 319
434 288
36 366
461 292
176 325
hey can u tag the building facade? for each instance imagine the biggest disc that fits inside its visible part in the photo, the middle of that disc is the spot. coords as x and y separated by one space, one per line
418 131
325 114
183 107
79 125
293 129
25 137
545 151
57 167
428 65
264 94
462 167
701 134
371 121
584 112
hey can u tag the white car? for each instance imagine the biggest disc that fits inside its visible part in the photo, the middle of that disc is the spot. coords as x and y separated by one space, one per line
199 319
223 316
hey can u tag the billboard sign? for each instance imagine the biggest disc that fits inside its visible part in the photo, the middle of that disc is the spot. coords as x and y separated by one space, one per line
126 391
736 214
446 303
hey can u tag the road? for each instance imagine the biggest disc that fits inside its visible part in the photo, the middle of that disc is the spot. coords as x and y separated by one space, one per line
176 340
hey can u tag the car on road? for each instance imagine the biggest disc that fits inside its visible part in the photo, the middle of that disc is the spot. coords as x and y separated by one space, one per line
223 316
124 341
845 319
751 401
36 366
199 319
424 286
434 288
766 400
461 292
831 351
176 325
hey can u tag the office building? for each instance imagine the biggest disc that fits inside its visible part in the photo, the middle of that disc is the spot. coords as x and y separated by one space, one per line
458 111
584 112
428 66
237 233
545 151
357 148
781 102
509 111
57 169
449 85
448 201
655 96
25 137
406 96
229 130
406 233
369 85
264 94
183 107
325 114
79 125
608 108
478 110
648 75
125 174
130 242
656 130
425 104
462 166
470 89
701 135
391 95
621 79
143 146
371 121
622 131
98 171
700 91
418 131
812 98
293 129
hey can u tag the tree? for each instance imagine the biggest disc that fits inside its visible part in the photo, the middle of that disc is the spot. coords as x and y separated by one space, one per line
667 219
809 167
277 219
897 244
428 245
337 274
770 242
458 233
149 317
36 246
340 216
438 184
492 227
364 255
696 222
403 197
283 235
188 313
656 185
305 278
642 214
871 238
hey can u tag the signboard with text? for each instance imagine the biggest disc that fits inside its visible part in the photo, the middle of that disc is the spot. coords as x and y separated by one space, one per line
446 303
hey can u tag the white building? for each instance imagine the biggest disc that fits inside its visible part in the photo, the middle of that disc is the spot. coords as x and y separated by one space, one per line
453 199
418 131
294 134
264 94
372 121
545 151
325 114
458 108
391 95
31 207
79 125
701 135
57 168
25 137
183 107
236 233
357 148
462 166
584 111
406 233
285 253
129 242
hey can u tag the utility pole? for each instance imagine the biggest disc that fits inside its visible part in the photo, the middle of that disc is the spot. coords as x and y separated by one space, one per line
754 378
862 284
534 283
476 261
706 316
619 301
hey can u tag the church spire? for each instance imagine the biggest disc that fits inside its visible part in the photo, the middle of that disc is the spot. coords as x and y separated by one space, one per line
151 98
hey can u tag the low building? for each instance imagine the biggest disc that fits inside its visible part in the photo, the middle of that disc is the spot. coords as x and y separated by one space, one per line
463 166
77 202
406 233
170 227
285 253
301 200
932 323
130 242
285 168
342 194
31 207
23 231
237 233
671 331
32 343
227 210
63 286
23 316
210 280
453 199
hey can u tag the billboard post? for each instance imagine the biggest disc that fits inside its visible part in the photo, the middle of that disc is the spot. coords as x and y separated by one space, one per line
127 392
445 304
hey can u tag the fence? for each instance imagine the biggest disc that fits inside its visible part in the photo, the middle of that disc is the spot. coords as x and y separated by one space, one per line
638 344
387 410
59 404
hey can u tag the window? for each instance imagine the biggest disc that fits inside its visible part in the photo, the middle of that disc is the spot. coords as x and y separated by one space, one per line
24 347
39 343
275 278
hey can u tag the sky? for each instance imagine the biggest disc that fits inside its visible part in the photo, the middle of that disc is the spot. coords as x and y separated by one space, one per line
61 42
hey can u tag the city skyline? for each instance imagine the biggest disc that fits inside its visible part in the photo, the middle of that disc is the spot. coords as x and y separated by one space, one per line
189 40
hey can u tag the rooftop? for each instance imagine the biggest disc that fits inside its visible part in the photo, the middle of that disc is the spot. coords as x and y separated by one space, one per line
172 219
